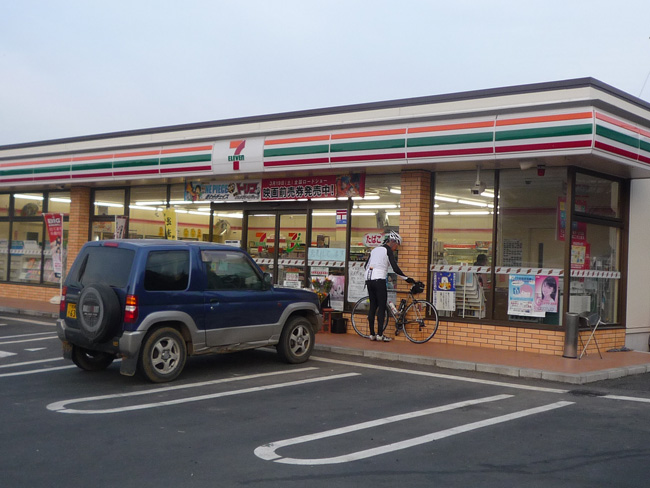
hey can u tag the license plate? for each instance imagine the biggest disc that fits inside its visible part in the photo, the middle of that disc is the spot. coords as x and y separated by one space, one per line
72 310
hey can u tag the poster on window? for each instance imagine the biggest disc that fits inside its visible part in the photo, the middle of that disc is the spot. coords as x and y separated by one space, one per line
521 296
336 293
54 224
546 294
444 291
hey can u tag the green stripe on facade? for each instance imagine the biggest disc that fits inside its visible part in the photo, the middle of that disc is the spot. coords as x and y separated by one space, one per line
563 131
645 146
14 172
186 159
296 151
368 146
92 166
134 163
55 169
450 139
617 136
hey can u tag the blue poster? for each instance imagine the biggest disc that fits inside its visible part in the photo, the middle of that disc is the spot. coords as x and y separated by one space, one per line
521 295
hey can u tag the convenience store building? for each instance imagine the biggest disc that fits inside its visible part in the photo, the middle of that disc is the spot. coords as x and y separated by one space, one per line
551 182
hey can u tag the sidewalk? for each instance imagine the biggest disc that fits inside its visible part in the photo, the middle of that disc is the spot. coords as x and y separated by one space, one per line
508 363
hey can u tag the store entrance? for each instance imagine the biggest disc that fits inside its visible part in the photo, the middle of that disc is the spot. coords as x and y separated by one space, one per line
278 242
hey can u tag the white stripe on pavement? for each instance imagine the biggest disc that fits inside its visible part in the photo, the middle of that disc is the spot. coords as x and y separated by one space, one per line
30 321
29 340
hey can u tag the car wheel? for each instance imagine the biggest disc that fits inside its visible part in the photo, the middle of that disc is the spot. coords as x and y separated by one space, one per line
98 312
163 355
89 360
296 341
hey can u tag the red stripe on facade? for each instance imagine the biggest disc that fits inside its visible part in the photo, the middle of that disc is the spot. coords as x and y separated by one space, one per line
57 177
15 180
542 147
137 172
367 157
644 159
92 175
450 152
182 170
616 150
290 162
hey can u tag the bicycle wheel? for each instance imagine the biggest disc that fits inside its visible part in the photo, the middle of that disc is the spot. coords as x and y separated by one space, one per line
359 317
420 321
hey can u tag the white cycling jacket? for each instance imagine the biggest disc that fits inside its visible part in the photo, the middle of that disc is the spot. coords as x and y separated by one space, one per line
379 261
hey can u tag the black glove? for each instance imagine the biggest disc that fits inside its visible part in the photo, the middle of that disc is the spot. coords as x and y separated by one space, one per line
410 281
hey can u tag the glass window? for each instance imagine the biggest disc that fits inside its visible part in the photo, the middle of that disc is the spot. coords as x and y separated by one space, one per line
25 252
4 250
595 270
597 196
28 204
261 239
167 271
193 217
462 226
230 271
59 202
372 216
530 235
326 255
145 211
109 202
4 205
108 265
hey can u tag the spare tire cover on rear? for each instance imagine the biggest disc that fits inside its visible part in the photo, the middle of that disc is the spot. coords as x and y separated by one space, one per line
98 312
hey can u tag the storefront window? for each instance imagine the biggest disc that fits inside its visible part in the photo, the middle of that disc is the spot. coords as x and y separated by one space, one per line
462 223
597 196
4 250
25 252
595 275
28 204
372 216
59 202
326 256
4 205
261 239
531 236
108 202
145 212
193 217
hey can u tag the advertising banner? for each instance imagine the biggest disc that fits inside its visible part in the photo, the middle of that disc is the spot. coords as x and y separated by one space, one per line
521 295
169 214
120 226
546 293
223 191
444 292
314 187
54 224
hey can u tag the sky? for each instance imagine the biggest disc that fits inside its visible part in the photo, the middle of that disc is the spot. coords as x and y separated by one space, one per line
82 67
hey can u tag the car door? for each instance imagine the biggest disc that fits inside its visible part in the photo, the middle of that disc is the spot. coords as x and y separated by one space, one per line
237 307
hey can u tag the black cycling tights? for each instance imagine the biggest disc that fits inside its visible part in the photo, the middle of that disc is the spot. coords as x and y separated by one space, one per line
378 295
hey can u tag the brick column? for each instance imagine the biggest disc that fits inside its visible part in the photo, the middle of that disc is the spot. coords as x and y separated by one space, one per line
79 224
415 224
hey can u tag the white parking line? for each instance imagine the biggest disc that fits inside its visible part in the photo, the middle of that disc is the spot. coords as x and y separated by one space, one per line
439 375
27 363
61 406
29 321
267 451
29 340
35 371
627 398
25 335
5 354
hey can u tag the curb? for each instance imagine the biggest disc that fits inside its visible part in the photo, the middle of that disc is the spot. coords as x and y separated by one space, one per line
512 371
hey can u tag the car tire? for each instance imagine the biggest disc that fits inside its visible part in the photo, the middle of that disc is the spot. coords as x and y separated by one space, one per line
296 341
98 312
163 355
89 360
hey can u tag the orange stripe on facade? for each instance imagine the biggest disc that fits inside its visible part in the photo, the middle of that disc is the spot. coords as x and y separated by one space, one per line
184 149
138 154
624 125
291 140
29 163
436 128
545 118
370 133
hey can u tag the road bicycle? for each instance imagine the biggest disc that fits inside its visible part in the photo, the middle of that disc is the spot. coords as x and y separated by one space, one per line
418 319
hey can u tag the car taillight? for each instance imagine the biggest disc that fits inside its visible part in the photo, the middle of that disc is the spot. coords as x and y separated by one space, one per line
131 309
62 302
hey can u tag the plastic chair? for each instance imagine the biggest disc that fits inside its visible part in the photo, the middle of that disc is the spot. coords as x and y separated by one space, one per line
590 322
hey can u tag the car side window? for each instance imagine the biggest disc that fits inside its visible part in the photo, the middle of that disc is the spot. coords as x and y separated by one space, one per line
167 271
230 271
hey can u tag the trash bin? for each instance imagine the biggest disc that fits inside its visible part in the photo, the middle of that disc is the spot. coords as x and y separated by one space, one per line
571 325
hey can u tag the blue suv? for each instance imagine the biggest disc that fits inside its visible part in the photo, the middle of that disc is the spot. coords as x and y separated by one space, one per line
153 303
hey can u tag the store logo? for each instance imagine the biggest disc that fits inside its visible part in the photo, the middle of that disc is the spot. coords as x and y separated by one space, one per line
238 146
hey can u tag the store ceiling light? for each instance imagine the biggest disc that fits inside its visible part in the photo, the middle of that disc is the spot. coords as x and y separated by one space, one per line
469 212
233 215
108 204
377 205
60 200
145 207
28 197
397 191
152 202
441 212
443 198
472 202
356 213
488 194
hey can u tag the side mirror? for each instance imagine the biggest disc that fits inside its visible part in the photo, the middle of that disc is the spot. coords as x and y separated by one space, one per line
268 281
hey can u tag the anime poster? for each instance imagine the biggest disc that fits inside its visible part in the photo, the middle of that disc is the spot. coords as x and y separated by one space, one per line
336 293
444 292
223 191
54 224
521 296
546 293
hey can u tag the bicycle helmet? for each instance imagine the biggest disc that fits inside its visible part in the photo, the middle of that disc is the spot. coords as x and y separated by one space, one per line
394 236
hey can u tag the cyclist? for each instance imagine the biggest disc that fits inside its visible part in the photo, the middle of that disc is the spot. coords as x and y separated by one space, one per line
376 273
